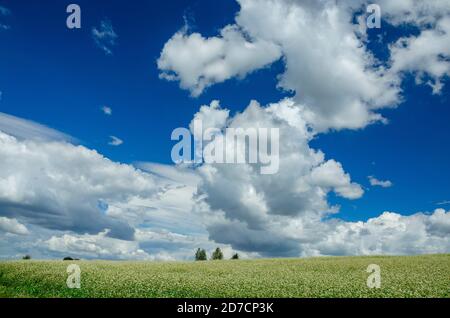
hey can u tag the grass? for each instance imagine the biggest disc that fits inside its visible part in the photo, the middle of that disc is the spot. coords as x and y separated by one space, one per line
402 276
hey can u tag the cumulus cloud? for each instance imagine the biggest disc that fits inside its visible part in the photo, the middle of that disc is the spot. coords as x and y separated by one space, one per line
337 81
335 78
96 246
379 183
242 206
199 62
426 55
74 201
104 36
12 226
63 187
288 214
115 141
77 196
390 233
338 84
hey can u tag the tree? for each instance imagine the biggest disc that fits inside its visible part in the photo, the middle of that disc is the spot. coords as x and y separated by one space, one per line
200 255
26 257
235 256
217 254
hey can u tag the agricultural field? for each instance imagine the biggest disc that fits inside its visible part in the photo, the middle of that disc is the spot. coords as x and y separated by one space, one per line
405 276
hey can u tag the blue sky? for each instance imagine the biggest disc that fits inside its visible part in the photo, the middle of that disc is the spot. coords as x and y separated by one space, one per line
68 79
60 78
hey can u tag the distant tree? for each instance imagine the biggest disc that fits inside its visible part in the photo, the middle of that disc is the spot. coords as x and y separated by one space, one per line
235 256
200 255
68 258
217 254
26 257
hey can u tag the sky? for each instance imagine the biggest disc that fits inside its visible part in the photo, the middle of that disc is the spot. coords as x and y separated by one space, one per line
86 117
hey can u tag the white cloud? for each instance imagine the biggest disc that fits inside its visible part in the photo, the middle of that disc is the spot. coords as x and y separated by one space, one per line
248 210
176 209
337 81
115 141
334 76
104 36
27 129
107 110
12 226
331 175
287 214
199 62
375 182
425 55
60 186
70 195
338 84
390 233
96 246
413 12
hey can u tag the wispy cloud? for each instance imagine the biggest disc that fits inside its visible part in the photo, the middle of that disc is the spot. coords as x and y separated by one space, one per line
115 141
27 129
445 202
107 110
374 182
4 12
104 36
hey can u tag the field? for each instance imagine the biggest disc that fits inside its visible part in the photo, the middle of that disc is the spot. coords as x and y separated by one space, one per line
407 276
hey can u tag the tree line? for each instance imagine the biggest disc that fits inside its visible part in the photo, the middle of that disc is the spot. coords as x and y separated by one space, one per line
200 255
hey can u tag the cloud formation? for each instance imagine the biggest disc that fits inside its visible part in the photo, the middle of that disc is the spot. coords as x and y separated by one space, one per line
67 199
104 36
60 186
107 110
4 12
96 246
199 62
12 226
27 129
115 141
338 83
242 206
379 183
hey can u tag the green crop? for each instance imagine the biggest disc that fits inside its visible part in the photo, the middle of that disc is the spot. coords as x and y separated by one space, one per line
401 276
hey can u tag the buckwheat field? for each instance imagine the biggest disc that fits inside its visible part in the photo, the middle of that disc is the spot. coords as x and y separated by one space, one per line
408 276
